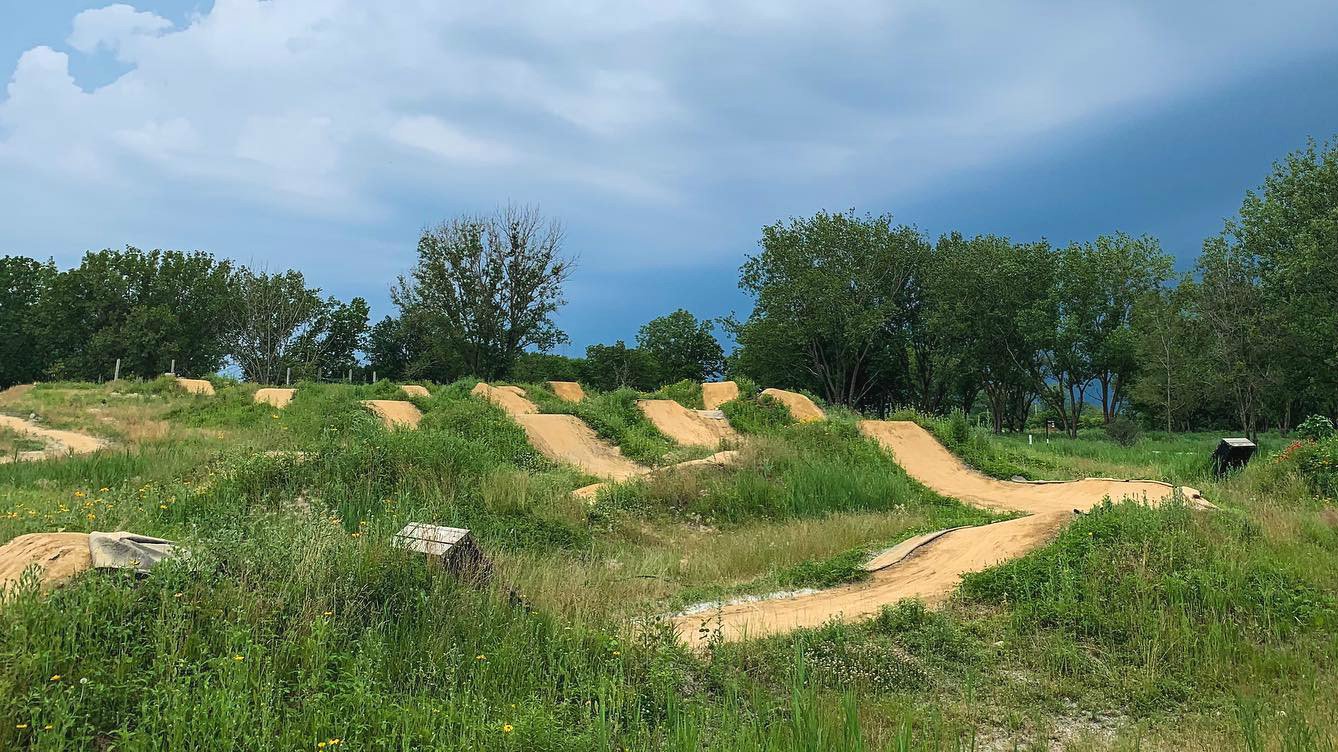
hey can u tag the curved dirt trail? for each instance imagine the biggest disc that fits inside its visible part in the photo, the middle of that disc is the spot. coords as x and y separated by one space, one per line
566 438
511 399
684 426
929 567
58 443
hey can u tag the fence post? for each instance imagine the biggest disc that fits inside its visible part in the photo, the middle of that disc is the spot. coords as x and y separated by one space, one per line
350 375
174 367
117 374
288 378
373 377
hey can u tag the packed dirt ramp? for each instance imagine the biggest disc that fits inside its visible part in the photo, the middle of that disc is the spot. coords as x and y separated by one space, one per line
57 443
687 427
276 397
567 390
395 413
510 399
57 557
801 408
717 393
928 567
415 390
196 386
567 439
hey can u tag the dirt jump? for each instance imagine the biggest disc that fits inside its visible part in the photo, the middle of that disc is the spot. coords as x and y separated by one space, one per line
58 556
414 390
196 386
395 413
566 438
57 443
928 567
688 427
567 390
717 393
801 408
510 399
274 397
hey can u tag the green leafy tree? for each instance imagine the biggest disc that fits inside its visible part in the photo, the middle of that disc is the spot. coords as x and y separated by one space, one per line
279 323
485 289
609 367
829 302
1168 344
681 347
23 351
533 367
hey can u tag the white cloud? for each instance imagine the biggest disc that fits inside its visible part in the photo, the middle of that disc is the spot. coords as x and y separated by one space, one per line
333 111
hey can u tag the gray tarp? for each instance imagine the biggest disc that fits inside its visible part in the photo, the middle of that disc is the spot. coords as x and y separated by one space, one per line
122 550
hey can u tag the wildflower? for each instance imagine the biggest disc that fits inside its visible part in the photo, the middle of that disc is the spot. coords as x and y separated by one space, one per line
20 726
354 535
47 727
104 489
507 728
78 494
177 595
162 506
480 657
55 677
274 416
92 516
329 613
236 658
617 653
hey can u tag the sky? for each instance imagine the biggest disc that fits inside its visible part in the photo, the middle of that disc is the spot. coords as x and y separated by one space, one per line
324 135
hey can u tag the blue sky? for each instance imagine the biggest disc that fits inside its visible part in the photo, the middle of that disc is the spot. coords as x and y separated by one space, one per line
324 134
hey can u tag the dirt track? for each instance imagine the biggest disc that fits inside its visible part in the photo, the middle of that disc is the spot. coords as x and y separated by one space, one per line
415 390
395 413
196 386
275 397
801 408
58 443
931 566
567 390
511 399
566 438
684 426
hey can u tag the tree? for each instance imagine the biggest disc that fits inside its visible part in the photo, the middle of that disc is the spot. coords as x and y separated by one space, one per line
1168 345
616 366
338 334
533 367
390 351
275 326
146 308
681 348
828 301
23 284
486 288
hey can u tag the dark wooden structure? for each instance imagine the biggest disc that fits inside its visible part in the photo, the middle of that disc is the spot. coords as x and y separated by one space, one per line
1232 454
451 547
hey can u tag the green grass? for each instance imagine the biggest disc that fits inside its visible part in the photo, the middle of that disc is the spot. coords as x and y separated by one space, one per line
1190 630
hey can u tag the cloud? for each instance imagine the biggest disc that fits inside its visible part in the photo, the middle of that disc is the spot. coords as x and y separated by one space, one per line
662 133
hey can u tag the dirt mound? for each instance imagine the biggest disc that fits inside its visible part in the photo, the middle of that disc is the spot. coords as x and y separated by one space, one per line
719 459
395 413
684 426
566 438
801 408
567 390
58 556
929 567
58 443
717 393
16 391
510 398
275 397
196 386
415 390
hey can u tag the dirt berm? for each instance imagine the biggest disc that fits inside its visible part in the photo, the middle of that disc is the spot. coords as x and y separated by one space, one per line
57 443
510 399
928 567
58 556
395 413
415 390
566 438
567 390
684 426
717 393
275 397
801 408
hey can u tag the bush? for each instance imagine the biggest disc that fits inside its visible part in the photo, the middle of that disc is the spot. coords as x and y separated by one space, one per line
1123 431
1316 428
959 431
759 415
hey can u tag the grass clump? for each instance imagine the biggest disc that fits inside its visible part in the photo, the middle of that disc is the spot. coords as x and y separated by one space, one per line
757 415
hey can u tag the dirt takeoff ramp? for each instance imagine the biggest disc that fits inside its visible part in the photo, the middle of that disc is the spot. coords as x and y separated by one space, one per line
57 556
801 408
395 413
196 386
684 426
567 390
510 399
415 390
928 567
717 393
57 443
273 397
566 438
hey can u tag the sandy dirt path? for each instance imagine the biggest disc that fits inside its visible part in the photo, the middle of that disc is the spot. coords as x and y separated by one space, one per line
801 408
717 393
395 413
58 443
684 426
510 399
928 567
274 397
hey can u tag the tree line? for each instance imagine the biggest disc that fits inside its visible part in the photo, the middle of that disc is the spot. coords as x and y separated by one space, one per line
857 309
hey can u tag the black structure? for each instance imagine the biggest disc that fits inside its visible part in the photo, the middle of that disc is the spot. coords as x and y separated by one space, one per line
1232 454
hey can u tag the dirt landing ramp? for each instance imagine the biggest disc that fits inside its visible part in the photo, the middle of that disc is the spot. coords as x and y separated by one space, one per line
414 390
930 573
801 408
196 386
58 556
717 393
684 426
566 438
58 443
395 413
275 397
567 390
929 462
719 459
511 399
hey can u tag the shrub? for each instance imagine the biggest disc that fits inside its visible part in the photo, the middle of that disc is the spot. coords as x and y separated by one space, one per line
959 431
1316 428
757 415
1123 431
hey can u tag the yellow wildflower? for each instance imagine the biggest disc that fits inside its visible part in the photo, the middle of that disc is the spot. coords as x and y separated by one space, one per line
236 658
20 725
507 728
55 677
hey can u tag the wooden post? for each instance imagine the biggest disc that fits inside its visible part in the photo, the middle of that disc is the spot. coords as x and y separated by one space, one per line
174 367
288 378
373 377
350 375
117 374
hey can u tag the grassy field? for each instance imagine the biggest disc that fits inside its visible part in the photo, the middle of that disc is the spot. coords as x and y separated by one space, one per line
294 624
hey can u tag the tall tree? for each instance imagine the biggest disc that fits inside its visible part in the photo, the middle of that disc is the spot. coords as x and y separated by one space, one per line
277 324
617 365
681 347
1168 344
828 297
486 288
23 351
